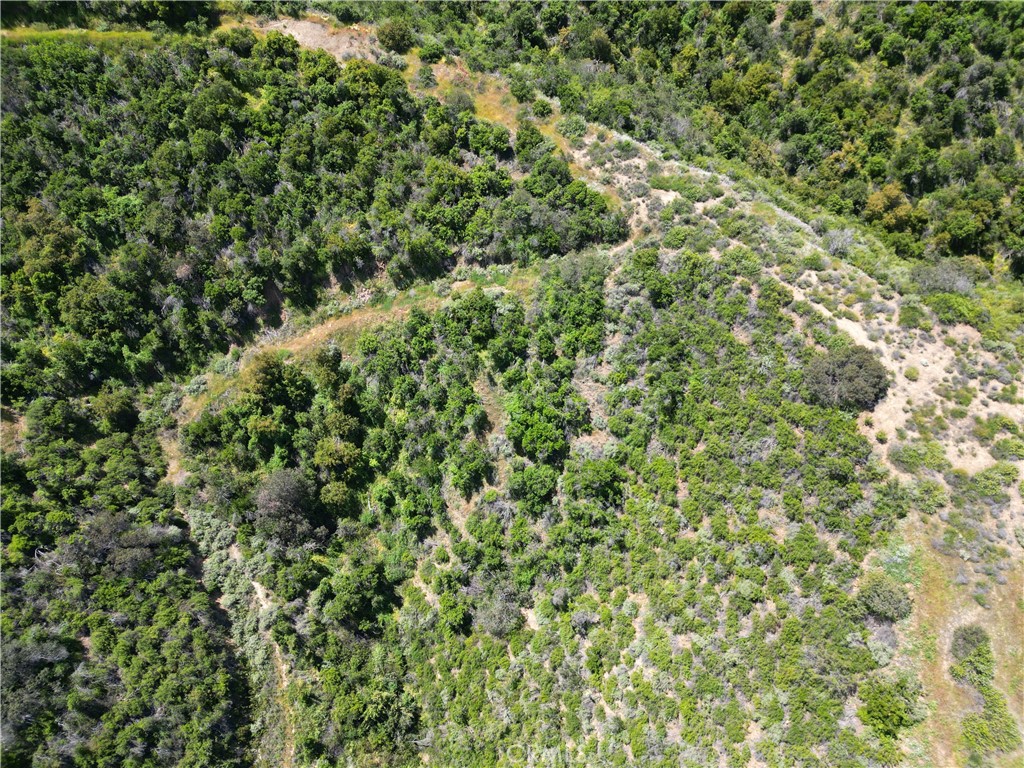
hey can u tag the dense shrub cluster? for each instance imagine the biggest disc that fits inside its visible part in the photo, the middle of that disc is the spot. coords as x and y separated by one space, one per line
113 650
822 100
164 203
701 487
884 597
850 377
161 201
993 729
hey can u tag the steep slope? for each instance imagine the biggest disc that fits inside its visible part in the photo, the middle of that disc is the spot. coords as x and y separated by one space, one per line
161 202
577 509
935 377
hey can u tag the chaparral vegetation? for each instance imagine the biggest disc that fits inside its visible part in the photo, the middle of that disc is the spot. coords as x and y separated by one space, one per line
512 383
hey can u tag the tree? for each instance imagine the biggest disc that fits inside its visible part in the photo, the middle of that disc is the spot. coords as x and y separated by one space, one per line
396 35
284 501
851 377
533 486
884 597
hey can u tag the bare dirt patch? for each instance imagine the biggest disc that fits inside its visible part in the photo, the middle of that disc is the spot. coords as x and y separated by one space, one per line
12 430
343 43
176 474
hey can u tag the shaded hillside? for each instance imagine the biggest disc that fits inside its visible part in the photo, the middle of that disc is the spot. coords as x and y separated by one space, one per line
162 200
388 413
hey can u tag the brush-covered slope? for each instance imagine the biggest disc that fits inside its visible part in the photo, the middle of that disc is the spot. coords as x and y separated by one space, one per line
162 200
688 500
345 427
904 114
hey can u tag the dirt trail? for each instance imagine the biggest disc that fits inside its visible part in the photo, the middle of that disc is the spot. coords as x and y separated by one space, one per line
177 475
345 329
264 602
941 608
12 430
284 680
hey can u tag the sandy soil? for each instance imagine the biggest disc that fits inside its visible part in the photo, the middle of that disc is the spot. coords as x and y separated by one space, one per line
344 43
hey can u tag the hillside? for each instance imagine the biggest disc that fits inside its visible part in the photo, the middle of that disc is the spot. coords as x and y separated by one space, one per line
365 417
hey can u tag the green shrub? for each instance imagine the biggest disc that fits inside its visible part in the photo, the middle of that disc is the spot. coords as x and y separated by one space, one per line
431 52
848 378
952 308
929 495
677 237
911 457
888 706
988 485
425 78
1008 449
396 35
913 315
993 729
987 429
572 127
885 598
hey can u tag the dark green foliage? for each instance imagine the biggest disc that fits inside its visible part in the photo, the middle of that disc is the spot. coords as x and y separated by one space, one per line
98 568
850 377
913 315
933 168
967 639
597 515
154 14
544 412
884 597
888 706
972 650
533 486
658 286
431 52
598 480
993 729
575 305
528 141
404 539
396 35
419 424
236 175
470 466
104 618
